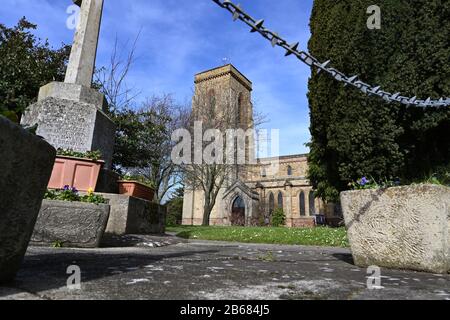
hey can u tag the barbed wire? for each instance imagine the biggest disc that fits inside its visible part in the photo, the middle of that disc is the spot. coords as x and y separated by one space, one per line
292 49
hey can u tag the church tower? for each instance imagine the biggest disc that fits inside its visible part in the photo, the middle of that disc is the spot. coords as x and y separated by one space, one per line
222 100
225 89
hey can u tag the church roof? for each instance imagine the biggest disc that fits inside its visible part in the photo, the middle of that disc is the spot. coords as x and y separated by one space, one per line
243 188
228 69
287 157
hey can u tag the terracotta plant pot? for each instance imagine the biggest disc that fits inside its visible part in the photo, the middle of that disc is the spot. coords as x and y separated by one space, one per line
136 189
75 172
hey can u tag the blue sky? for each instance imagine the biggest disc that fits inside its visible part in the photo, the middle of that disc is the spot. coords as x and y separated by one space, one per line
181 38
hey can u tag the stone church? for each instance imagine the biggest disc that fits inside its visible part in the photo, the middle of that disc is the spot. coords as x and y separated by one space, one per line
251 196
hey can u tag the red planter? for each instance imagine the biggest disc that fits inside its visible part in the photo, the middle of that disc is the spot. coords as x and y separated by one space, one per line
136 189
81 174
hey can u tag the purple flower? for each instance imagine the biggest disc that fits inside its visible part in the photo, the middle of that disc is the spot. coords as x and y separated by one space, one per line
74 190
364 181
66 188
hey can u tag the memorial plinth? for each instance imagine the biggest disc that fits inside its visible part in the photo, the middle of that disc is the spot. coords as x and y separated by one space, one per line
71 116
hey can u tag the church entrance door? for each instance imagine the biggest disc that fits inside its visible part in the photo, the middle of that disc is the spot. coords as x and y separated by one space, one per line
238 212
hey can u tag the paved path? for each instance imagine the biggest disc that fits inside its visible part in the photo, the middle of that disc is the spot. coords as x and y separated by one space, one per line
213 270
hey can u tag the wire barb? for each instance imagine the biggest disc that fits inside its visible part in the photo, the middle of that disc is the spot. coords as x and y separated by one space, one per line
292 49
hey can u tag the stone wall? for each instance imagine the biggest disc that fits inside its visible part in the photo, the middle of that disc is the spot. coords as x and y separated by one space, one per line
300 223
131 215
263 170
107 182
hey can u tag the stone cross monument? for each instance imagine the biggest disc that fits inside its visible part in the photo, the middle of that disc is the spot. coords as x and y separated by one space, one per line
84 49
70 114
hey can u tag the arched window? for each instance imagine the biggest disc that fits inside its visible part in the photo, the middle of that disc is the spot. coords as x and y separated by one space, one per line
302 204
289 171
263 172
212 102
239 110
271 203
312 203
280 200
238 212
337 212
238 203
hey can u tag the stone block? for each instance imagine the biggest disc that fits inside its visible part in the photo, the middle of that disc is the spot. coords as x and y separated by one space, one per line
400 228
71 124
107 182
26 163
131 215
187 222
74 224
73 92
307 222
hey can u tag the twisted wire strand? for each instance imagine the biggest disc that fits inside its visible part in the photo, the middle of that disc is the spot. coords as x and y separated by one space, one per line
257 26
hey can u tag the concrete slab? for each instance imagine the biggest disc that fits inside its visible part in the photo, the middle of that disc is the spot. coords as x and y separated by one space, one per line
210 270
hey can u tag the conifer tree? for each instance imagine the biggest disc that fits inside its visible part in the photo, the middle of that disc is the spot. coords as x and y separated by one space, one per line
354 135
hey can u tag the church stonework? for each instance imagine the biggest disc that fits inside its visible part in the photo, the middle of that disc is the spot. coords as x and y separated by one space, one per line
251 195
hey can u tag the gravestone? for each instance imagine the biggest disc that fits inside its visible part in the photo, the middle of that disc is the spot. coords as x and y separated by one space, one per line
26 162
72 115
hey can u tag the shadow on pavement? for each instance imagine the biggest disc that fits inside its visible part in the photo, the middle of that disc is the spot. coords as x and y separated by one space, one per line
47 270
345 257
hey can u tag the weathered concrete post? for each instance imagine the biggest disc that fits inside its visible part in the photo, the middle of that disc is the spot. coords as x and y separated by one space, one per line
81 65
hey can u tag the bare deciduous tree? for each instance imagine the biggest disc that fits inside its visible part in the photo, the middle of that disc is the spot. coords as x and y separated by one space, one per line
225 153
161 171
160 111
111 80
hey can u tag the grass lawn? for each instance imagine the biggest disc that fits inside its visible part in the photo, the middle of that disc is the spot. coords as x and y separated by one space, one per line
321 236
